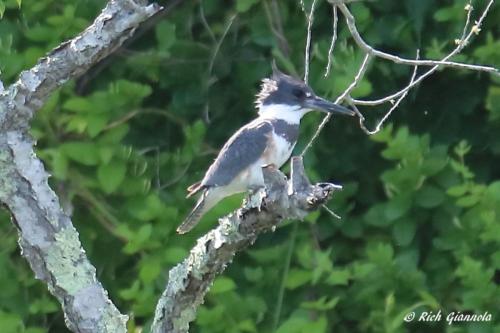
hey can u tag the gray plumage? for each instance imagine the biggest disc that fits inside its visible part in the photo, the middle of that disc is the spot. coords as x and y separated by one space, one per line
290 132
243 149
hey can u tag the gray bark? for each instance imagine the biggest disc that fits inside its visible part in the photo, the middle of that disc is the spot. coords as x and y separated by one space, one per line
47 237
189 281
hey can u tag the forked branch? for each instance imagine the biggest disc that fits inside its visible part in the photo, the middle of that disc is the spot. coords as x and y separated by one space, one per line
370 52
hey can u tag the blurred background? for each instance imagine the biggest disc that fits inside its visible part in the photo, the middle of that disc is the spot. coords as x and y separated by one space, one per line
420 228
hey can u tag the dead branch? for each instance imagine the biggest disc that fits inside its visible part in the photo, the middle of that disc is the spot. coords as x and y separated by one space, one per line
370 52
190 280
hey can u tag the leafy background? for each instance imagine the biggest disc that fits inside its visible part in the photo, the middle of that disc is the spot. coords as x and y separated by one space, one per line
421 199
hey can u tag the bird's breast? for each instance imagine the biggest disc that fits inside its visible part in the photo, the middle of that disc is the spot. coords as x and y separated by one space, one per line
281 142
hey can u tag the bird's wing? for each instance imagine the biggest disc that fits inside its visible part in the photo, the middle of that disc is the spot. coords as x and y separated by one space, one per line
243 149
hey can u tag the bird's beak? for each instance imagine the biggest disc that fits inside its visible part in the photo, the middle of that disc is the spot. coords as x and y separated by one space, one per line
321 104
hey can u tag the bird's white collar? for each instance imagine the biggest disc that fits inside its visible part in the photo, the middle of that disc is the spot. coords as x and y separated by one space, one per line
291 114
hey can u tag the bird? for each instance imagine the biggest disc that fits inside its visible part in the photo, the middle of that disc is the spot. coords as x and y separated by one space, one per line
267 140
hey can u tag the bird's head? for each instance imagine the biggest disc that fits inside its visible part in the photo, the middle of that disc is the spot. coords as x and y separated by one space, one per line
286 97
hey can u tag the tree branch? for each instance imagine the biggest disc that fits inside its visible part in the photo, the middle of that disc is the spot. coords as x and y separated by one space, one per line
351 24
117 22
47 238
190 280
371 52
461 43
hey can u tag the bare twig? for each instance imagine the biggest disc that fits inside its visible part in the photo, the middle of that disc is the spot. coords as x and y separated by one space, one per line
334 39
388 113
215 52
310 19
275 24
359 76
219 44
464 41
399 60
205 23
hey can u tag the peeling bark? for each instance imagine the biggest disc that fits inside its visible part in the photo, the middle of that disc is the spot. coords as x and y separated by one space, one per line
189 281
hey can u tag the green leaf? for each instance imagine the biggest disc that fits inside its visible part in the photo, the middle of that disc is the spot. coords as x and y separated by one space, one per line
448 13
175 254
95 124
146 208
339 277
114 135
43 306
397 207
376 216
222 285
59 165
150 269
111 175
493 102
10 323
85 153
140 240
321 304
79 104
293 325
468 201
2 9
404 231
244 5
458 190
297 277
165 35
253 274
429 196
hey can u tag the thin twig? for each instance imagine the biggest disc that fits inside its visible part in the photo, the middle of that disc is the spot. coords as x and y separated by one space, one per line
331 212
219 44
310 18
357 79
399 60
275 24
388 113
463 42
205 23
334 39
209 81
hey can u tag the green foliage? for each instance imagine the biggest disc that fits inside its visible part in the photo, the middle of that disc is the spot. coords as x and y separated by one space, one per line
421 199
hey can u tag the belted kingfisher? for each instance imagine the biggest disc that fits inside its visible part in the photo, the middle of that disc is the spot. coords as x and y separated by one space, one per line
268 139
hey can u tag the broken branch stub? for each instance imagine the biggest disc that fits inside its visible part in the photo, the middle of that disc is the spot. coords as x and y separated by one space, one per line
190 280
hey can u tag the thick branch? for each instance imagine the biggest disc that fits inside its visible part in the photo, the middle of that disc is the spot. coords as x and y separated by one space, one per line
116 23
190 280
48 240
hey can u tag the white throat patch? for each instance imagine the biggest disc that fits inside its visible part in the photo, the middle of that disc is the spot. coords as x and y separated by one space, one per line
291 114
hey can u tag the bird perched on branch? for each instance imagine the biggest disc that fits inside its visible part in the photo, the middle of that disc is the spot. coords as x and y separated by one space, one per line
267 140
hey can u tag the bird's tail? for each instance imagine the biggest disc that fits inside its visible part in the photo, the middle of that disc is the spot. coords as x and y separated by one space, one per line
207 200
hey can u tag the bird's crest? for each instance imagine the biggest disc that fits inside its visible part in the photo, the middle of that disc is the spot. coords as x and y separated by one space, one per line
269 85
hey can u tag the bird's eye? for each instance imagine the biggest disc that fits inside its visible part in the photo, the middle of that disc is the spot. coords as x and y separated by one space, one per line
299 93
